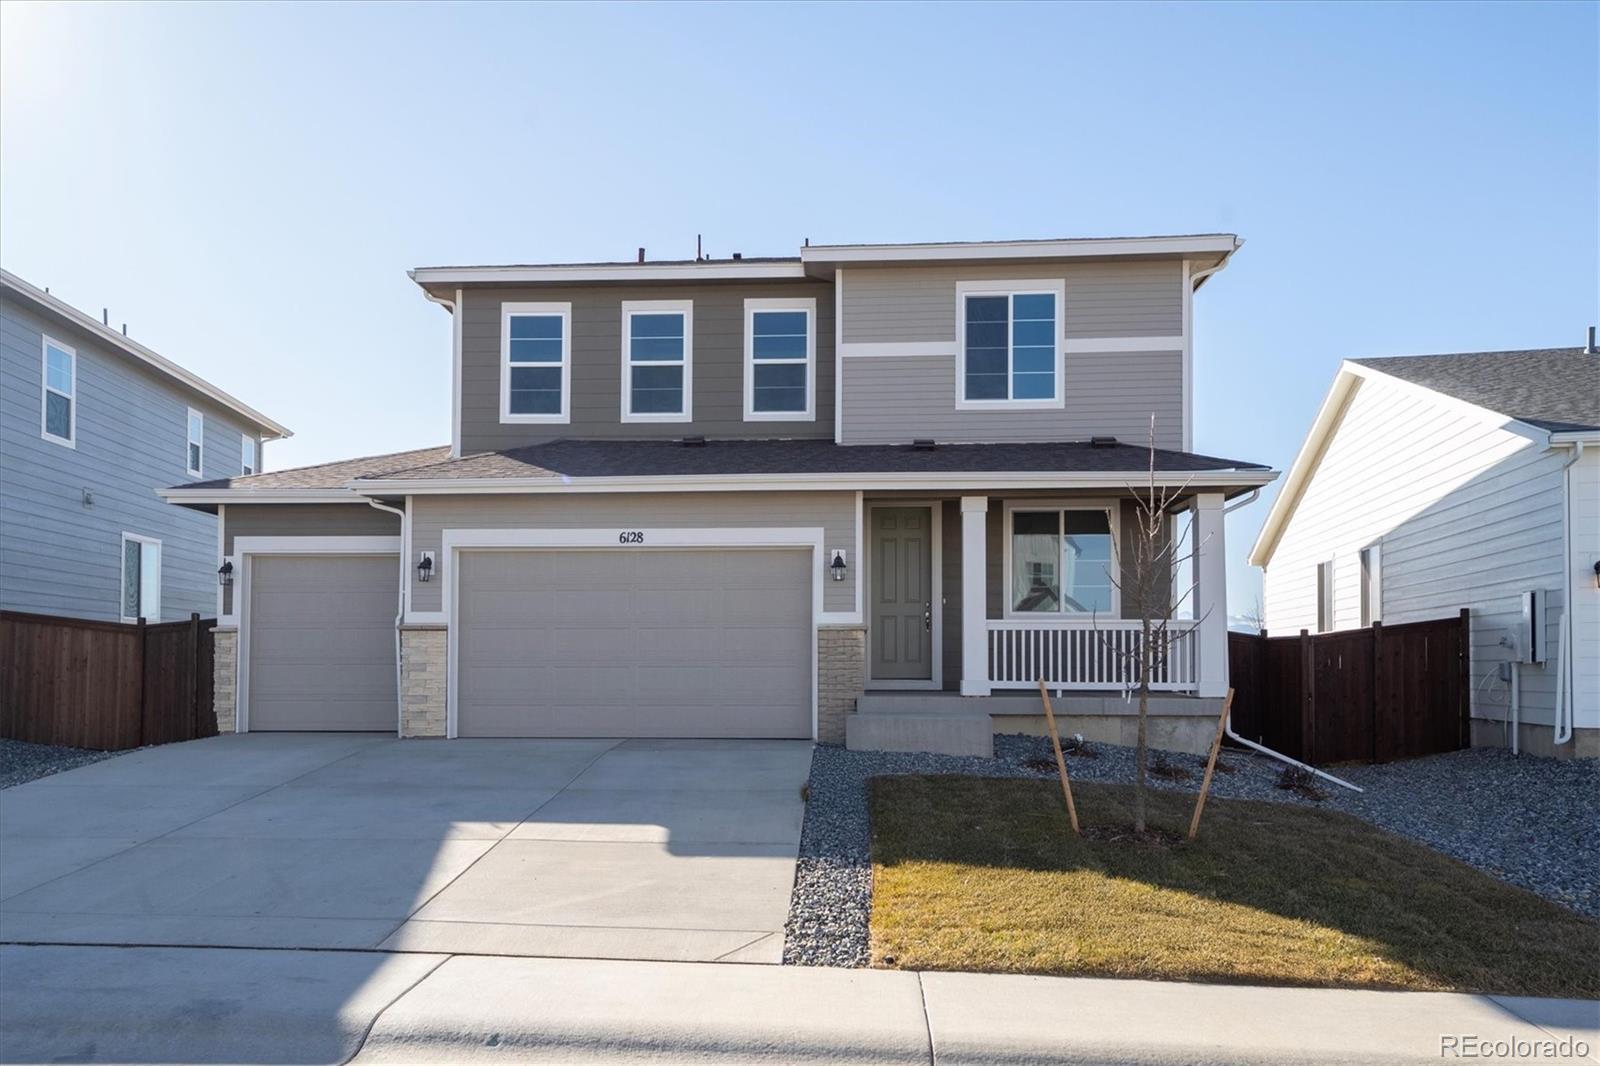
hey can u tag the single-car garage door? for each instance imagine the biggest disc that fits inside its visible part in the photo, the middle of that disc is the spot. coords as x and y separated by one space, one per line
321 636
647 643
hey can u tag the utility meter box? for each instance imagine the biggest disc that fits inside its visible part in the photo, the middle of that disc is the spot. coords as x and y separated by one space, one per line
1530 631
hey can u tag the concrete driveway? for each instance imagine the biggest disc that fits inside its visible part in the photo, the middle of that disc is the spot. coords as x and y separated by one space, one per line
640 849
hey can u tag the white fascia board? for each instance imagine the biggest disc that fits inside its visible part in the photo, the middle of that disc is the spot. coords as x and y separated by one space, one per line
617 272
1207 244
270 430
248 496
948 481
1573 436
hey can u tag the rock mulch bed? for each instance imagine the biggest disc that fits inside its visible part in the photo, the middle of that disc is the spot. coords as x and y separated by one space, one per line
21 762
1531 822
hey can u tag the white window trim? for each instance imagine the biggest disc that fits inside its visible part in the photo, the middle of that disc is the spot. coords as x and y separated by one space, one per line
751 306
71 439
122 570
658 307
1113 513
189 441
564 311
249 455
1056 287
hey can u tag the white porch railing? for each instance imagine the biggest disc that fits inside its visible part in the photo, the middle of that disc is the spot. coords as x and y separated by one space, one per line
1080 654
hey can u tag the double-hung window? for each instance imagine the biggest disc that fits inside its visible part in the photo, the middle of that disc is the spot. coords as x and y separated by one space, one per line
535 362
657 360
247 455
780 360
1060 561
195 453
141 578
1009 350
58 414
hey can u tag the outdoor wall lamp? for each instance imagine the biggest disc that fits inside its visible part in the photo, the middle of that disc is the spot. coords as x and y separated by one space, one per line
836 566
225 574
425 567
1597 573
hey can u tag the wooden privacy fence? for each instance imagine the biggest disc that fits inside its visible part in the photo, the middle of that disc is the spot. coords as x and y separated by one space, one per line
1371 695
105 685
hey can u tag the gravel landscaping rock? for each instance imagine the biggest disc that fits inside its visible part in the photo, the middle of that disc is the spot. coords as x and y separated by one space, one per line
21 762
1529 821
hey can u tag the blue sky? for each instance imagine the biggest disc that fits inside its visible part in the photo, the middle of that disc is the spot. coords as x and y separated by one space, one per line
245 186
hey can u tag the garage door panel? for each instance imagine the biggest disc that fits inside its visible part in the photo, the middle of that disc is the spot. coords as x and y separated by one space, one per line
635 643
321 642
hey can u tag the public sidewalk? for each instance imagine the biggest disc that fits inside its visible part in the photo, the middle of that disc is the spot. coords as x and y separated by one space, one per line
192 1005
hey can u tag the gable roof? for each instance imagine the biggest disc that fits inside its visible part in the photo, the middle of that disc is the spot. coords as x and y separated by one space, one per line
1556 389
122 344
333 475
1536 392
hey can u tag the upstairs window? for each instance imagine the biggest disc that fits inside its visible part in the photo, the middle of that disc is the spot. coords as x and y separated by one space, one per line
780 364
58 414
247 456
197 438
1060 562
141 578
1009 345
657 360
535 362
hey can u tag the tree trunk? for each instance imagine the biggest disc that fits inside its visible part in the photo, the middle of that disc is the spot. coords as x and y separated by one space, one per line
1144 717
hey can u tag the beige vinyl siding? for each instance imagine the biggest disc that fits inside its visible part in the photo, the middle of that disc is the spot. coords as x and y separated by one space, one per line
918 303
302 520
897 399
1467 515
834 512
596 388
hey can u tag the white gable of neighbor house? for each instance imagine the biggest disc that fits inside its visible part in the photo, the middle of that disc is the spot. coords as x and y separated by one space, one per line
1467 513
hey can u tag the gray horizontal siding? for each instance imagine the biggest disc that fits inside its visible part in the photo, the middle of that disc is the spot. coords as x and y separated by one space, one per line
904 304
60 556
303 520
596 400
835 512
897 399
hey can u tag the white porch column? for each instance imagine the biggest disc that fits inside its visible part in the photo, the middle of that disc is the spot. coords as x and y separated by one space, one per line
974 596
1210 593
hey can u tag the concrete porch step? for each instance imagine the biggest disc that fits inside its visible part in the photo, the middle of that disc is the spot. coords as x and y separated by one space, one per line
939 703
939 733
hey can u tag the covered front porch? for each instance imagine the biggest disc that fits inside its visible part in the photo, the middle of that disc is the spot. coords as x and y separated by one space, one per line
971 599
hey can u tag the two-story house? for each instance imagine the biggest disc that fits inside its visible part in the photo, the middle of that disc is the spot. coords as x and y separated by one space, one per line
750 498
92 424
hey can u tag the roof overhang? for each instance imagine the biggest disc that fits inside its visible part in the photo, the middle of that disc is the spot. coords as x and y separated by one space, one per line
718 270
828 257
1234 481
209 498
121 342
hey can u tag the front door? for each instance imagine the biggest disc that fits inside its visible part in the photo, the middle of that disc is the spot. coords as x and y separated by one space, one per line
902 597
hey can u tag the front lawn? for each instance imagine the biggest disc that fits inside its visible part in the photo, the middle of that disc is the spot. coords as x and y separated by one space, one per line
983 874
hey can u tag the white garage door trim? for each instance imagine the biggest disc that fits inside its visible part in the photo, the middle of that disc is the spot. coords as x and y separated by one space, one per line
454 541
243 549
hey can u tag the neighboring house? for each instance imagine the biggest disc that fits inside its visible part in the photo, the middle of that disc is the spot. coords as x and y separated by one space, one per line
1434 483
747 497
92 424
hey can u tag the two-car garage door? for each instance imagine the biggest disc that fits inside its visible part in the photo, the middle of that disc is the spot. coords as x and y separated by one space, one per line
634 643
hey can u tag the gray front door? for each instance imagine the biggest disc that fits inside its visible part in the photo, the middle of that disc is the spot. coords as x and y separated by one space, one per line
902 597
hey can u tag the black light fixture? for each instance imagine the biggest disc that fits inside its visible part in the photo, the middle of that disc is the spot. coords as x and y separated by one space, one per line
1597 574
836 567
425 567
225 574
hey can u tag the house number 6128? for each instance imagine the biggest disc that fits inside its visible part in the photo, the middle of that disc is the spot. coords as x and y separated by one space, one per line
631 536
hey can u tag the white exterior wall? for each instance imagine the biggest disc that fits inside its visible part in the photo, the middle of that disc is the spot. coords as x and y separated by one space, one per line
1585 596
1468 514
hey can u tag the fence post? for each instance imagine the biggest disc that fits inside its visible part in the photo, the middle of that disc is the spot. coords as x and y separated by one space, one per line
1380 721
144 666
1308 699
194 675
1464 684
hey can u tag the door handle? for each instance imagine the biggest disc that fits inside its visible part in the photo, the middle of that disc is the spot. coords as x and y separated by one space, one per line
927 617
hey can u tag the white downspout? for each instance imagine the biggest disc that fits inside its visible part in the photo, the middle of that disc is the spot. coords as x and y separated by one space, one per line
1564 715
1227 730
400 614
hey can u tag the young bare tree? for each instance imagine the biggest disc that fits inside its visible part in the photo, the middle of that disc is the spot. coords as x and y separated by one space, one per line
1144 571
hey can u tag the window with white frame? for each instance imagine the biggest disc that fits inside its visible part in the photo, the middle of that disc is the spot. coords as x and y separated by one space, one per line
1060 561
141 578
1009 349
1371 584
1325 597
197 439
58 414
657 360
535 362
780 364
247 455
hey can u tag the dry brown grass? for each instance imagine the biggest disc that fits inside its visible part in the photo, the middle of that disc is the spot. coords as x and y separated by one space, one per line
983 874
